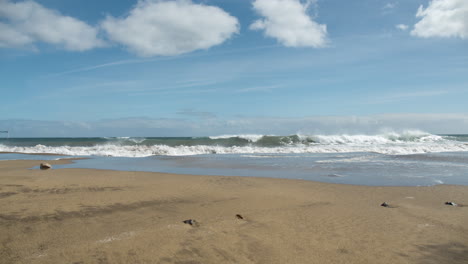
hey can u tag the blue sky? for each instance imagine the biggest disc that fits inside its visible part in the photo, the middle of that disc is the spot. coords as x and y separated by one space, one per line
174 68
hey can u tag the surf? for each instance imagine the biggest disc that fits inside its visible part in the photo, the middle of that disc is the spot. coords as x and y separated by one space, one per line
392 143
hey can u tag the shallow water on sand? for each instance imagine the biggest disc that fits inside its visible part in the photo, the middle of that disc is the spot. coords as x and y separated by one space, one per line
363 168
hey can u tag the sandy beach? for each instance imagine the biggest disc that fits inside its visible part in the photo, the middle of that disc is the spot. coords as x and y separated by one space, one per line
97 216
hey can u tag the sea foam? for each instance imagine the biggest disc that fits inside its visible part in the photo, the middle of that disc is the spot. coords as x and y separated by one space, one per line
410 142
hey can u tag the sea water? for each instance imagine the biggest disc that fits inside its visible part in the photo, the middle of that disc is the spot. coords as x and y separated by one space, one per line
412 158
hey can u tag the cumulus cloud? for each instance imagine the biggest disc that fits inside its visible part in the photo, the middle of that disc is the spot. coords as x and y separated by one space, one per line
402 27
28 22
289 23
157 27
9 37
442 18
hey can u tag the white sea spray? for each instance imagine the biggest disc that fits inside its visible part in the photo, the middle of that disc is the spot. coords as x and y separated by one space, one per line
390 143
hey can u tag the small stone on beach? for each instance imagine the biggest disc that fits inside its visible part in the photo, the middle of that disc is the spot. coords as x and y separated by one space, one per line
191 222
239 216
45 166
385 204
451 203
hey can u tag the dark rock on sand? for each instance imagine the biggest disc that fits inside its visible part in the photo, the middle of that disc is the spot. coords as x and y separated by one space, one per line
385 204
191 222
239 216
45 166
451 203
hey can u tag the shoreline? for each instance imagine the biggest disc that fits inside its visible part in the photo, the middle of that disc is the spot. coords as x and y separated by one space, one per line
105 216
72 159
355 169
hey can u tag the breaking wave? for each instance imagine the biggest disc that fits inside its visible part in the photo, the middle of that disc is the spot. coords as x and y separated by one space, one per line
409 142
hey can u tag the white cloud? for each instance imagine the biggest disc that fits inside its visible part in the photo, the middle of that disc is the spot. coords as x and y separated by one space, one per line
195 113
389 6
268 88
289 23
445 123
10 37
29 22
442 18
155 27
402 27
393 97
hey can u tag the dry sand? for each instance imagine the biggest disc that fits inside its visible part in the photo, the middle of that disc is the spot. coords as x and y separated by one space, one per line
94 216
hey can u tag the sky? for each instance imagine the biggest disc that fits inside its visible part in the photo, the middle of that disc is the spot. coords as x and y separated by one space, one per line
211 67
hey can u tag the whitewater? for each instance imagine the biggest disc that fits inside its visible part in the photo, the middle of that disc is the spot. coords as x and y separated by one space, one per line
408 158
405 143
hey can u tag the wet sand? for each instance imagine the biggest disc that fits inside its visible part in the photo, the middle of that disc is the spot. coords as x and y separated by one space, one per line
96 216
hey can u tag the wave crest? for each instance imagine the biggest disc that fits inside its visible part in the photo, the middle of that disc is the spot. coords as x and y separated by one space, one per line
409 142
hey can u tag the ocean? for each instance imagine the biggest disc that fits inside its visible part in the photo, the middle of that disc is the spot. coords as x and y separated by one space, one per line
411 158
